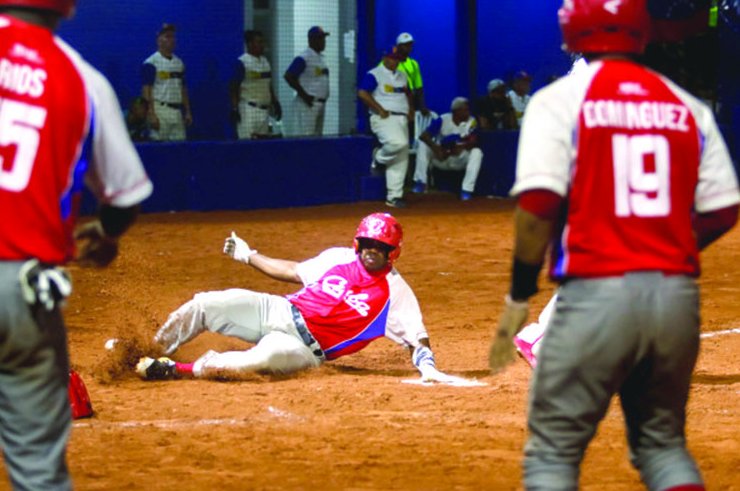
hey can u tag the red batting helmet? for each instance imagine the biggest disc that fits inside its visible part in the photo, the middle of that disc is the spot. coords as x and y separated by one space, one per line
383 228
62 7
604 26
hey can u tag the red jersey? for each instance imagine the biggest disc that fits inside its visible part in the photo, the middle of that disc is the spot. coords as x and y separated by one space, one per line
57 122
634 155
346 307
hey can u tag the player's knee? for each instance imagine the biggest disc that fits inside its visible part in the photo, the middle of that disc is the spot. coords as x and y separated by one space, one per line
396 146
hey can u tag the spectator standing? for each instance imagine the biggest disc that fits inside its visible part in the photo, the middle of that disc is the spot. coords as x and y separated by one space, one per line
450 143
66 120
519 95
251 91
409 66
494 110
308 75
385 92
164 87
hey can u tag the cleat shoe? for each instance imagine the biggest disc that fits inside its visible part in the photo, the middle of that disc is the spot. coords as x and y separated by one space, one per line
525 351
156 369
466 196
419 187
396 203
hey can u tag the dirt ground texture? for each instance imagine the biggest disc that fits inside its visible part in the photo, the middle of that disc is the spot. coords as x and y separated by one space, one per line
352 424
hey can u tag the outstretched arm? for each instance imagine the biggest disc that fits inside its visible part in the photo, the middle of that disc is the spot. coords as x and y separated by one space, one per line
279 269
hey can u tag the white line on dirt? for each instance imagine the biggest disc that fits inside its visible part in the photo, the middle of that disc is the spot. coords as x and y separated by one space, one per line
183 423
720 333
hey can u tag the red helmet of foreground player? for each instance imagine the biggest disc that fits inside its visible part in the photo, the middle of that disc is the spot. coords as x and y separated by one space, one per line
604 26
62 7
383 228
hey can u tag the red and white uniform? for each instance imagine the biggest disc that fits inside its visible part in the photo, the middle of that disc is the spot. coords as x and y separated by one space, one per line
45 85
345 307
624 146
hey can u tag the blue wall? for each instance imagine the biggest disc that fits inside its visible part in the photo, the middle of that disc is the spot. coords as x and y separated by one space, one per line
518 35
116 37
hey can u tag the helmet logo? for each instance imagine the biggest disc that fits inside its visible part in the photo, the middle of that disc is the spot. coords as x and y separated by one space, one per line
612 6
375 226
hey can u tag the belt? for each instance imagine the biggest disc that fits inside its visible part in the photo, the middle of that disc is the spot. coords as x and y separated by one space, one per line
316 99
170 104
396 113
258 106
305 334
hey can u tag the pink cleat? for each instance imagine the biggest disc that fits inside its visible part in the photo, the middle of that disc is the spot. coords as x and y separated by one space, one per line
525 350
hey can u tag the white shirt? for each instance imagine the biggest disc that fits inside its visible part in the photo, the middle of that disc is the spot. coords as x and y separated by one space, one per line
388 89
315 78
168 81
519 103
257 77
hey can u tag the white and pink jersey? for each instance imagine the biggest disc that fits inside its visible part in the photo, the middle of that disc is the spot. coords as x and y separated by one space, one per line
346 308
634 155
60 125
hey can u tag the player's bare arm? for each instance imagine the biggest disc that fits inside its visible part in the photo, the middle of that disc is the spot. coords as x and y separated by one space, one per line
146 93
439 152
279 269
294 84
369 101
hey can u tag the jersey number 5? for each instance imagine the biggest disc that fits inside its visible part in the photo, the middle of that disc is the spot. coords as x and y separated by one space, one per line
641 175
20 125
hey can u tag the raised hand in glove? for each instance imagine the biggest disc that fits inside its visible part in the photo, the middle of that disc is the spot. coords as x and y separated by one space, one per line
502 350
237 249
95 248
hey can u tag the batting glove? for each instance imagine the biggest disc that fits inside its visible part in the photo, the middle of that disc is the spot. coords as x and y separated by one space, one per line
237 249
502 350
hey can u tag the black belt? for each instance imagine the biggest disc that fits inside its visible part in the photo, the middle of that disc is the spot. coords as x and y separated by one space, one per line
258 106
316 99
170 104
305 334
396 113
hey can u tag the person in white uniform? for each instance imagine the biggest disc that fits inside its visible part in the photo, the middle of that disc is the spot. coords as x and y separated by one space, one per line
519 94
385 92
163 76
308 75
450 143
251 92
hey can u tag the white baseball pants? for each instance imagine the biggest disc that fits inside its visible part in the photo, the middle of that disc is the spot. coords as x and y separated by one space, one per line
171 124
393 134
306 121
253 120
260 318
470 160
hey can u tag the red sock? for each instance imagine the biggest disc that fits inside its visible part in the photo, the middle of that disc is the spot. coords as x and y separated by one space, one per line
184 368
687 487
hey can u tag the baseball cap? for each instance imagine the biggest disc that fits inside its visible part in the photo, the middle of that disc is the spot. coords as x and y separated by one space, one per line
404 38
166 28
522 75
317 31
495 84
458 102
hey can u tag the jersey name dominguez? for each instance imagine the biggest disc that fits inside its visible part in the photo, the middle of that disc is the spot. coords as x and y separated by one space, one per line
635 158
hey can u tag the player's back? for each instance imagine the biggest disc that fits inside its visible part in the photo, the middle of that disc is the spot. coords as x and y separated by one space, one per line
44 121
637 149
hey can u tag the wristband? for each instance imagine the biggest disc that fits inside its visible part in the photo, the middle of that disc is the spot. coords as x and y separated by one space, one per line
524 280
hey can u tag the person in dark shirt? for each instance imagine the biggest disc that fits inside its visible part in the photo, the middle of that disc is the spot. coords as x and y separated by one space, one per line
494 110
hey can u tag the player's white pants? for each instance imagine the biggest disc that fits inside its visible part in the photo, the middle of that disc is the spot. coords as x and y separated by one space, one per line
253 120
306 121
251 316
171 124
393 134
470 160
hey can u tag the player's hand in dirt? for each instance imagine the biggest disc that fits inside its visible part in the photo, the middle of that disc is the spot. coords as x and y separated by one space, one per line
95 249
237 249
503 351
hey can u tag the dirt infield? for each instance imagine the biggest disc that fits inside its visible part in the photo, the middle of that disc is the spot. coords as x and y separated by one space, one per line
352 424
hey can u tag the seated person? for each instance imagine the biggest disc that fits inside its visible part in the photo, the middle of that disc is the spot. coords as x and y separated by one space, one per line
450 143
137 121
494 110
519 95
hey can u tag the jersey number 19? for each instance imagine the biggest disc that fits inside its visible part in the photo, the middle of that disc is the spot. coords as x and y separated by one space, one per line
641 175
